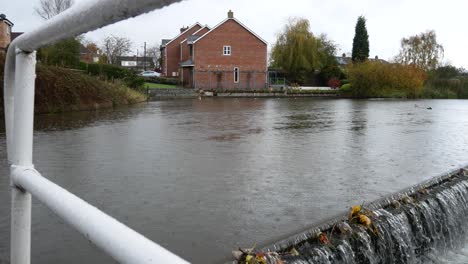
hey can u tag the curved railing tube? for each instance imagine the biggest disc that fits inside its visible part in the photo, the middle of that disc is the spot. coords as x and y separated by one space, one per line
116 239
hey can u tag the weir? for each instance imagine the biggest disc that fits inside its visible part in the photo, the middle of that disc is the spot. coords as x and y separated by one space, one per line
411 226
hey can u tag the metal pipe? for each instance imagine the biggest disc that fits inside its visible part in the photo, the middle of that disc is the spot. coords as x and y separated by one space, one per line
19 119
83 17
25 75
20 241
79 19
8 99
119 241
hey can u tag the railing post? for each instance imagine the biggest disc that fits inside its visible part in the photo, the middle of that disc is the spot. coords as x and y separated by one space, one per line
25 75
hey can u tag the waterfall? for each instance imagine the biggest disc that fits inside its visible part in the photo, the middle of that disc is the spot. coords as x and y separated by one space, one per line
421 225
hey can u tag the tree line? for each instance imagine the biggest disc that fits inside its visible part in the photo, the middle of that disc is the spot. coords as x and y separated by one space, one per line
66 53
303 56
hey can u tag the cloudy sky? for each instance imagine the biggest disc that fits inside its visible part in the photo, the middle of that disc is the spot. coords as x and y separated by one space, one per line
387 21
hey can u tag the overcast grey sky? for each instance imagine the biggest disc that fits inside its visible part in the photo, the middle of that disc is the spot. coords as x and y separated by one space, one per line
387 21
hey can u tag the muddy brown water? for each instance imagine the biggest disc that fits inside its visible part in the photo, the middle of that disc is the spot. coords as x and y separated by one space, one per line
202 177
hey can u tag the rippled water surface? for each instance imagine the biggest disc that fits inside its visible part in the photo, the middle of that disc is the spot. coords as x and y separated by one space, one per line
204 177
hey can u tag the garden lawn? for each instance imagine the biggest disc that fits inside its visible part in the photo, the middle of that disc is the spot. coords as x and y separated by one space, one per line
159 86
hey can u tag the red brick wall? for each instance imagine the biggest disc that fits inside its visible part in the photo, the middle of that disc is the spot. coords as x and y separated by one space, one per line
171 55
5 37
224 80
185 47
248 53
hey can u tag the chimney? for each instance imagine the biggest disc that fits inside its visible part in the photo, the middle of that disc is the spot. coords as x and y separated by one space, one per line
182 29
230 14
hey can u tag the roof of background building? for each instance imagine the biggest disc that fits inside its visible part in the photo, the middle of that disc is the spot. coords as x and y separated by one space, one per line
3 18
165 41
192 38
15 35
182 31
134 58
187 63
231 18
343 60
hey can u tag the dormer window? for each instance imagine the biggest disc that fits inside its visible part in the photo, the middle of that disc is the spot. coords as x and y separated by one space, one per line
227 50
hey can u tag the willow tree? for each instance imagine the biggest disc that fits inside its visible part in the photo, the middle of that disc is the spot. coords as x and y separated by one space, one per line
361 41
421 50
296 50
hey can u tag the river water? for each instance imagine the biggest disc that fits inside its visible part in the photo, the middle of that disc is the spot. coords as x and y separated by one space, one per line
203 177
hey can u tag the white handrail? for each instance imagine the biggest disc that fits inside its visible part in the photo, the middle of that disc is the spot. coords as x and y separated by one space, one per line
108 234
119 241
81 18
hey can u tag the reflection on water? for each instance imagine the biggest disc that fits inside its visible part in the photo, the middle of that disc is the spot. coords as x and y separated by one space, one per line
204 177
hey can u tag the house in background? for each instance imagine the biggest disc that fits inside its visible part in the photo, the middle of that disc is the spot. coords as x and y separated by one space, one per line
186 45
89 53
228 56
345 60
134 62
6 34
170 51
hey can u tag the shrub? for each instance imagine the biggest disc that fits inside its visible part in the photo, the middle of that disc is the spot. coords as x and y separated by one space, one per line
60 89
346 88
113 72
65 53
330 72
334 83
446 88
163 80
377 79
344 81
109 71
134 81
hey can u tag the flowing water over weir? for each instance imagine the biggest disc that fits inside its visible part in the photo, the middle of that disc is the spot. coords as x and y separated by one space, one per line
417 225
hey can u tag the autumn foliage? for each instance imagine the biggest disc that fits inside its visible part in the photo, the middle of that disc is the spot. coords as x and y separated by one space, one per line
377 79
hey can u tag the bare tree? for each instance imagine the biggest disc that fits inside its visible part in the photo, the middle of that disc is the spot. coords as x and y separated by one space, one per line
50 8
154 52
114 47
421 50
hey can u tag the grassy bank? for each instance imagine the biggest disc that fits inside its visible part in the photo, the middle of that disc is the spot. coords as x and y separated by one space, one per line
62 90
159 86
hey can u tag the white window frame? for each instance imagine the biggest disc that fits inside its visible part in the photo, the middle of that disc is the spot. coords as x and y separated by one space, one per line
227 50
236 74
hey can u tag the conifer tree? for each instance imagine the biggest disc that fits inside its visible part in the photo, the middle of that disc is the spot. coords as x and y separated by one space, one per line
361 41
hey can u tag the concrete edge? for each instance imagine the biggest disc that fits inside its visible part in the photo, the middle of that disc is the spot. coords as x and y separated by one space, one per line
311 232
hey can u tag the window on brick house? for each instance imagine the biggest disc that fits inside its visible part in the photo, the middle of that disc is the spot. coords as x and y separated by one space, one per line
227 50
236 75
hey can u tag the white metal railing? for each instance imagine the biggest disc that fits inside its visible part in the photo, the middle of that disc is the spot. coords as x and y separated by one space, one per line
113 237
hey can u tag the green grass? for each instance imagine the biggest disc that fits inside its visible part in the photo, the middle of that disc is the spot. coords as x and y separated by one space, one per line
159 86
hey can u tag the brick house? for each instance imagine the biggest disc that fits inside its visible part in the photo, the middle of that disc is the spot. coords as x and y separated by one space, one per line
5 32
170 51
228 56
